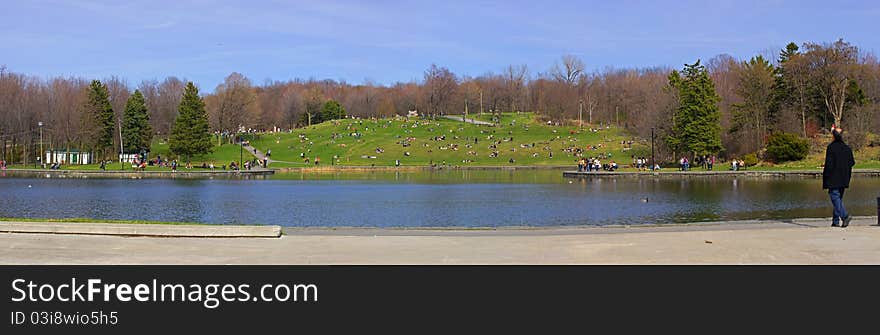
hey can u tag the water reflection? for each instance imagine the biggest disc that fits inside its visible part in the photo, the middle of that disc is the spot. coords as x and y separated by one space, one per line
440 198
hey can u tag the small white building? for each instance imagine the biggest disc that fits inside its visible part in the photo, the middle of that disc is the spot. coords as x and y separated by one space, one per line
65 156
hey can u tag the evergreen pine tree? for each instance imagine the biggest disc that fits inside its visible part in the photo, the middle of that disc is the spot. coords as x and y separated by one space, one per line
333 110
782 92
98 118
136 130
697 121
190 134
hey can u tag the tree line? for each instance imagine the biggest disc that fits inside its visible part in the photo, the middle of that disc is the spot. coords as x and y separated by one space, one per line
719 106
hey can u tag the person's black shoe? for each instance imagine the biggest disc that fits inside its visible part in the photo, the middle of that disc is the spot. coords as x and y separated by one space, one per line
846 221
835 225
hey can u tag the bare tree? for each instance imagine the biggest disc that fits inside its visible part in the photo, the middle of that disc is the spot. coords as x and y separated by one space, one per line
440 86
119 91
163 106
233 105
515 83
832 67
570 71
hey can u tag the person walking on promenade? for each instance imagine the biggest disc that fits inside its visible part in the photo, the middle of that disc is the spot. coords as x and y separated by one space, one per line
836 175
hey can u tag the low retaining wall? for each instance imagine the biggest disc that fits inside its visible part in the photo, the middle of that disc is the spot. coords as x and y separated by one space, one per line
335 168
815 174
36 173
124 229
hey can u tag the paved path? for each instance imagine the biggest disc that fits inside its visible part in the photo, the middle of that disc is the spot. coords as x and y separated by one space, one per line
775 242
477 122
261 156
257 153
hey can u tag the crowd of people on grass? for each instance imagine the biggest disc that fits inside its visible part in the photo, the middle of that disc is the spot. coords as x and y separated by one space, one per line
736 165
594 164
706 162
442 138
494 143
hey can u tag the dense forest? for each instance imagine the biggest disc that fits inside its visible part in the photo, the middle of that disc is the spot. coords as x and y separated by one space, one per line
801 90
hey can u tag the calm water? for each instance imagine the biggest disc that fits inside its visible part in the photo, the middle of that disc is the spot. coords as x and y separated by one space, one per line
436 199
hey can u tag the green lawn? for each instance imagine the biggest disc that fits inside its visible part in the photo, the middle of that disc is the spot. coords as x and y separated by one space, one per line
531 143
866 158
222 155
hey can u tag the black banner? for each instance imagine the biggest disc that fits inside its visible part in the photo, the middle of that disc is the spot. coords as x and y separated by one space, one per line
415 299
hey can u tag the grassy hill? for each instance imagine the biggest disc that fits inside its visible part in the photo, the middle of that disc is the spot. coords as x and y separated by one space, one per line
421 142
379 142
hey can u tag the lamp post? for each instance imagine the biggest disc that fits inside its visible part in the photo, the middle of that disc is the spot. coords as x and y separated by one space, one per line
653 164
240 149
40 124
581 114
121 153
464 119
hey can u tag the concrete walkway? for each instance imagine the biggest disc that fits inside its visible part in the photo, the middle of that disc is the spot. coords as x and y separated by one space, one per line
471 121
260 156
769 242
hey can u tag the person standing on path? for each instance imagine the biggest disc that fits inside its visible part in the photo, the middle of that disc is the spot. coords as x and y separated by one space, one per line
836 175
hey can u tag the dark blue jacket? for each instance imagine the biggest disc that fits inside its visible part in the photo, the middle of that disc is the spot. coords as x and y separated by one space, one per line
838 165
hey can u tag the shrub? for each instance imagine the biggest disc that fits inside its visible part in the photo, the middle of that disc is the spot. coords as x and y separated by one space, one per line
855 139
750 159
784 147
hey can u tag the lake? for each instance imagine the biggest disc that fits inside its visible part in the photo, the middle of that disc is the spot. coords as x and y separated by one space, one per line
449 198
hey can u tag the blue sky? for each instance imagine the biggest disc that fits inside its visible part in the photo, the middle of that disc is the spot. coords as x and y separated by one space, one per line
389 41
